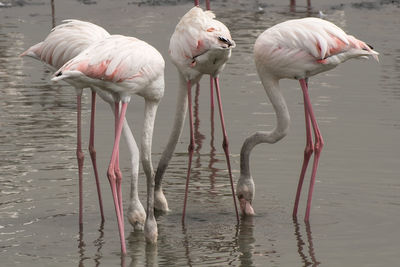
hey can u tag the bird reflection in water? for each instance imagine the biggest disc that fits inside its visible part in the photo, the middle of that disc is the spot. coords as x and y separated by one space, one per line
310 259
199 138
141 252
186 244
213 159
98 244
246 240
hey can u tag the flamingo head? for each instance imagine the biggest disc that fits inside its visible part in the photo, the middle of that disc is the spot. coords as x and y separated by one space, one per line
245 194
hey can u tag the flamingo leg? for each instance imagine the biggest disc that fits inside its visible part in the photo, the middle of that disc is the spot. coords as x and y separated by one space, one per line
309 149
208 7
190 148
80 157
117 170
212 95
92 152
225 144
319 143
112 176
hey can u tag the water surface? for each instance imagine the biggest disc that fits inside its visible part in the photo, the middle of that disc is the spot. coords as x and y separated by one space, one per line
356 205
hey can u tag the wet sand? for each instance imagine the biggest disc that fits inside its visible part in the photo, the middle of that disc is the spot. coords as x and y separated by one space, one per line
355 212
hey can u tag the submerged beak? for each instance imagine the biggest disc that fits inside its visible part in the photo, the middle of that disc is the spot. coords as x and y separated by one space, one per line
245 206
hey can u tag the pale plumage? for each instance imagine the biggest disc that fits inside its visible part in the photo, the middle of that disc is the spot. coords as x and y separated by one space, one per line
132 70
304 47
63 43
124 66
66 41
295 49
200 45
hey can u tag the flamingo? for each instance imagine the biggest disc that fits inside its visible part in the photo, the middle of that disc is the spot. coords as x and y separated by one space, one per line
295 49
63 43
123 66
200 45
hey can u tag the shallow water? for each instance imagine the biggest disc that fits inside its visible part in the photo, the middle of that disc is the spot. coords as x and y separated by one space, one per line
356 205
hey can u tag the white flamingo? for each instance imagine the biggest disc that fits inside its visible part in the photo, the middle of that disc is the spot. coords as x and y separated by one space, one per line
123 66
63 43
295 49
200 45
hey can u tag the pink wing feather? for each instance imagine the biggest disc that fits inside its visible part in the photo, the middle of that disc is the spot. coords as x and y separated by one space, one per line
115 59
66 41
196 33
319 38
304 47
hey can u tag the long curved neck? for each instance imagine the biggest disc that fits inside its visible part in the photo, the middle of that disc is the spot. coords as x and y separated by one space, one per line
145 152
180 114
271 86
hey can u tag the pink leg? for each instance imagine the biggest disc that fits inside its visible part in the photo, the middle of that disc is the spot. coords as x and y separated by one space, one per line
292 5
80 157
113 179
309 149
225 144
190 148
93 153
212 94
208 5
117 171
319 143
196 2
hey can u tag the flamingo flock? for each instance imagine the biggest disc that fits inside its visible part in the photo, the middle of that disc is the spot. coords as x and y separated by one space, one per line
118 67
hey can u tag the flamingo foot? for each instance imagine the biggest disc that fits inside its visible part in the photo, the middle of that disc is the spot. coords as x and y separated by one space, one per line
150 231
160 202
136 215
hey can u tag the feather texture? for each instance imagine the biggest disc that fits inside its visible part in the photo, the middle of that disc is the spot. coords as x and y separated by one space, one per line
125 62
303 47
197 33
66 41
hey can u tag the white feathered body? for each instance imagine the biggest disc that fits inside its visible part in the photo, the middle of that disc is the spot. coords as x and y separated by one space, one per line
200 44
301 48
66 41
120 65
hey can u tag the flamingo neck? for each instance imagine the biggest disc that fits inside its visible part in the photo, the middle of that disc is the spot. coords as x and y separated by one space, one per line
180 114
271 86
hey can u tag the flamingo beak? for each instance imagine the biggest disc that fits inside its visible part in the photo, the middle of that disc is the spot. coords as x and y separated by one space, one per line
245 206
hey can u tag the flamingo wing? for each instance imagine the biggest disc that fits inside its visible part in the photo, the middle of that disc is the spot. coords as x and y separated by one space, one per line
304 47
115 59
316 37
66 41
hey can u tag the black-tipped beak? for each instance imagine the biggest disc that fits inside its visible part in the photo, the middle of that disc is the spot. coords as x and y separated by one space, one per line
224 40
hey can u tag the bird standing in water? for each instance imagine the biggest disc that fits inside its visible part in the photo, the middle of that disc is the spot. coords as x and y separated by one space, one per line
63 43
200 45
123 66
295 49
